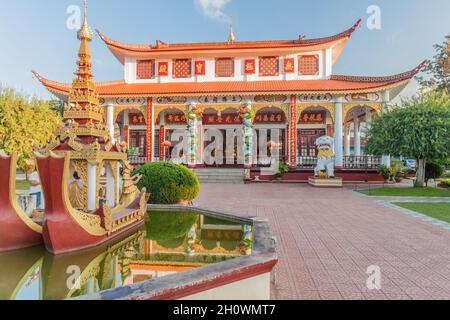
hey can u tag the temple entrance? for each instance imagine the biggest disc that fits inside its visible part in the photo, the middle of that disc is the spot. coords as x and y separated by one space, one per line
306 146
271 143
137 146
222 146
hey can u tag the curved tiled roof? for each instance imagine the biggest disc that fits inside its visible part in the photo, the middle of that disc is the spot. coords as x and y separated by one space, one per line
336 84
163 47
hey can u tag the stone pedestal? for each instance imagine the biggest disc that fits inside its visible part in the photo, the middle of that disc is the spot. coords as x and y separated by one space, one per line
325 182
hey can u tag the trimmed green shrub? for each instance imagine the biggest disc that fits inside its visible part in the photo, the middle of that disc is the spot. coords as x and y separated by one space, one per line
168 183
433 170
445 183
169 226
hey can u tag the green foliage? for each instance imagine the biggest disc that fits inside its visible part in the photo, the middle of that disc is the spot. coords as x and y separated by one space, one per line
169 226
397 170
445 183
385 172
438 68
168 183
419 129
282 168
26 124
433 170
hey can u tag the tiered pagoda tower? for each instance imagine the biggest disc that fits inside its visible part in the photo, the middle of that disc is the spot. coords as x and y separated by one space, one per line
83 110
84 134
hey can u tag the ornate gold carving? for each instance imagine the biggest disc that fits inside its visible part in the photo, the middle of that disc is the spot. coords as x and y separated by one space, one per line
119 109
91 223
304 106
80 167
158 109
378 107
108 220
114 169
258 107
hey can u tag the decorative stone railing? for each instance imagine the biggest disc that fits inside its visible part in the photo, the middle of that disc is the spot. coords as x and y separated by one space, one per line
362 162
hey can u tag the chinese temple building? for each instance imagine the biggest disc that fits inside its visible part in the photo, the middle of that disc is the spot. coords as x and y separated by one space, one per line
287 87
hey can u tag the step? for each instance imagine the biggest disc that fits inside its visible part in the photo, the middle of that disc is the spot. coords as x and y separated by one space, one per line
220 175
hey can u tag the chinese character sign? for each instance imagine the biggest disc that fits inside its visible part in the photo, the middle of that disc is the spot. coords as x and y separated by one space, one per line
136 119
313 117
200 68
175 118
163 69
249 66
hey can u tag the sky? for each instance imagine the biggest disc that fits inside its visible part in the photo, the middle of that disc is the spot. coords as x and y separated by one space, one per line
35 34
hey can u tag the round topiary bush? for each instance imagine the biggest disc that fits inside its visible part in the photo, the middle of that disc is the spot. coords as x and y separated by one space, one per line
170 226
168 183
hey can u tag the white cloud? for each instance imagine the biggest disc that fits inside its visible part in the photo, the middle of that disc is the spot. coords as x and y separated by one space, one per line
214 9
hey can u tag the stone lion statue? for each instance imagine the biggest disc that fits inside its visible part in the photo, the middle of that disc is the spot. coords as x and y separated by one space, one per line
325 161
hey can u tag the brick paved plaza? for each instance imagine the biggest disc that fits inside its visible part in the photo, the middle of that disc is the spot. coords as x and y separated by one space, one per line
328 238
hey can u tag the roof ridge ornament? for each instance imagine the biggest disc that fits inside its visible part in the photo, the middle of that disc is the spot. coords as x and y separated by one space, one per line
231 36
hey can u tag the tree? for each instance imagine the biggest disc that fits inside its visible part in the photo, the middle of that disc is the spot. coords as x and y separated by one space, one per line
438 68
26 124
419 128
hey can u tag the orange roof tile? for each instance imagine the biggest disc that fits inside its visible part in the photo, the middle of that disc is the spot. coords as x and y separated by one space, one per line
163 47
334 84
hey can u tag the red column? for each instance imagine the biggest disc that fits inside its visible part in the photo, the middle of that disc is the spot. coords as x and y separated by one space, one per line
293 132
126 133
162 139
149 129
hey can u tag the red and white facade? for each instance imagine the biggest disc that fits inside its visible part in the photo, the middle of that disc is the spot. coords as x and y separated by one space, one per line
289 86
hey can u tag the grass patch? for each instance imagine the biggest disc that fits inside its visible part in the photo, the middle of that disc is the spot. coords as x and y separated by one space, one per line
22 185
407 192
440 211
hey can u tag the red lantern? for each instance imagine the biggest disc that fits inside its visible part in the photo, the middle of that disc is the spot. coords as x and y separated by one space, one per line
167 144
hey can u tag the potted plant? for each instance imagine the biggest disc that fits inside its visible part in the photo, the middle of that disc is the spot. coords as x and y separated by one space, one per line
385 172
282 169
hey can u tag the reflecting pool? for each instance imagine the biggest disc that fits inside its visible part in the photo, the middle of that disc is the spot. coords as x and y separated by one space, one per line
170 242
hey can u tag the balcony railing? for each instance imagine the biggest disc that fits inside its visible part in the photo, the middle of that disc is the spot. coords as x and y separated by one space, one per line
137 160
306 162
350 162
361 162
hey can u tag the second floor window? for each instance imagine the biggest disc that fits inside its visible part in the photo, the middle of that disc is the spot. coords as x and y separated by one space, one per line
182 68
145 69
308 65
224 67
269 66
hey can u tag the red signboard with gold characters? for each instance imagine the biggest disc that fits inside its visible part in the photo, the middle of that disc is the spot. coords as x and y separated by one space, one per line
250 66
136 119
175 119
222 119
289 65
200 68
163 69
270 117
313 117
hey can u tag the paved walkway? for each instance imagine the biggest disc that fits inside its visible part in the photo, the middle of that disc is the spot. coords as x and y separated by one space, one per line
328 238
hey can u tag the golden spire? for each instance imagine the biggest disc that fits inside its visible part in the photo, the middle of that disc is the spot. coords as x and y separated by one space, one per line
85 32
231 37
84 107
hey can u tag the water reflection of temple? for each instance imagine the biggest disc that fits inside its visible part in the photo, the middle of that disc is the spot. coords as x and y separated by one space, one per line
34 274
207 241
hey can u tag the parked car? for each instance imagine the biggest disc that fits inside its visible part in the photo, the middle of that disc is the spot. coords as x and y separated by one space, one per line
410 163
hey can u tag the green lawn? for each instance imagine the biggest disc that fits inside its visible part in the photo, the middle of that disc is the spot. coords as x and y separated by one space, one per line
408 192
440 211
22 185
